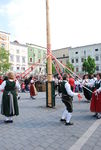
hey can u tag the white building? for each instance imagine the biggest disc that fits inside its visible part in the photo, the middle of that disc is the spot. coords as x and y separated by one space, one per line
78 54
18 57
62 55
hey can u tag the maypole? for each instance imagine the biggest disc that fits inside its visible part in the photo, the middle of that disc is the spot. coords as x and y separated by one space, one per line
49 89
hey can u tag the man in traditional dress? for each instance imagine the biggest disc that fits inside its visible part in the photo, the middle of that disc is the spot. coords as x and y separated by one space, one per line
67 98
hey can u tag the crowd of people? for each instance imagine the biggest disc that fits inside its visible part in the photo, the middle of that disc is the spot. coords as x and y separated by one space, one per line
67 86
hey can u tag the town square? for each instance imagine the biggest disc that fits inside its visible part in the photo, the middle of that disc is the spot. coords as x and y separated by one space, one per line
50 75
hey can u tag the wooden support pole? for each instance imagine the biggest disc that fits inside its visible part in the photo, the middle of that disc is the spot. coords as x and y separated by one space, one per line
49 59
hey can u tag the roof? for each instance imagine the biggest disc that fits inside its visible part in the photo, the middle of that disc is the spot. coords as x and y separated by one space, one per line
17 43
34 45
4 32
86 45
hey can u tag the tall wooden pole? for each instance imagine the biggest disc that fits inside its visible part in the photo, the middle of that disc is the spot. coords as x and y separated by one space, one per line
49 59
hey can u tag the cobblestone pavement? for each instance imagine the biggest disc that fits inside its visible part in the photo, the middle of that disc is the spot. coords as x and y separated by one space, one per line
39 128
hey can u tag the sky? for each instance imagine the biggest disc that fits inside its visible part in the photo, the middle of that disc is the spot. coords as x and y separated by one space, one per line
72 22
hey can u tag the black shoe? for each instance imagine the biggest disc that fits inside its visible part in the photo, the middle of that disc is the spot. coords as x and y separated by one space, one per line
98 117
32 97
62 120
18 97
68 124
95 115
8 121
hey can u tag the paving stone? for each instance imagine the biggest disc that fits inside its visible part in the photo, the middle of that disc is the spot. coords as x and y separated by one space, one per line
39 128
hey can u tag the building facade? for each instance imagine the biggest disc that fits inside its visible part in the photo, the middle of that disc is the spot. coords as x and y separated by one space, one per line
4 40
37 55
78 54
18 57
62 55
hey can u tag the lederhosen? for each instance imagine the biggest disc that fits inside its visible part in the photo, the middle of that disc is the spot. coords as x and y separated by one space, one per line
66 99
96 99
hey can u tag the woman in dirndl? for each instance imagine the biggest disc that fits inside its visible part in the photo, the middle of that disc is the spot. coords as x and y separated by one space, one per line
32 89
86 88
9 105
96 98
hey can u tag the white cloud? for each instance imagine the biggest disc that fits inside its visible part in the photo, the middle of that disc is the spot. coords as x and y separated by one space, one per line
72 22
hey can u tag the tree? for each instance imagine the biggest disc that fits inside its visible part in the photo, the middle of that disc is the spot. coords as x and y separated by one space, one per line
4 61
70 66
89 65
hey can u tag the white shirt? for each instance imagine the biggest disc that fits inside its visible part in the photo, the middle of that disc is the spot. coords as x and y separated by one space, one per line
68 89
91 82
99 89
2 86
77 82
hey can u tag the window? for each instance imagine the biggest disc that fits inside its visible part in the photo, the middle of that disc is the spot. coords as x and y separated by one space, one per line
76 60
44 55
72 61
3 45
31 68
96 49
17 51
17 58
63 55
17 68
84 52
97 58
11 57
30 60
82 59
77 69
97 68
39 60
23 68
23 59
2 37
11 69
76 52
82 69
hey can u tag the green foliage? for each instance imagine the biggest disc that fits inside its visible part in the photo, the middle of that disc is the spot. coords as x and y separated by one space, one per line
89 65
53 69
4 61
70 66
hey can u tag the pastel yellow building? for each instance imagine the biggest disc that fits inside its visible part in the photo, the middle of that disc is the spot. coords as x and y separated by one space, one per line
4 40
